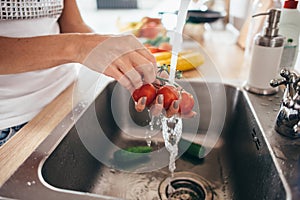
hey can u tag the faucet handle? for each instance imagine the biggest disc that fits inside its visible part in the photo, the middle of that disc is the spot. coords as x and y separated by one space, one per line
285 73
278 82
288 78
285 80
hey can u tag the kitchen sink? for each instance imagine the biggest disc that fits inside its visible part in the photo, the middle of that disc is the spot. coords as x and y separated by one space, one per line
237 163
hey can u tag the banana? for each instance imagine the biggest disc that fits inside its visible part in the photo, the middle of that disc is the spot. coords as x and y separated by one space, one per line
162 56
186 60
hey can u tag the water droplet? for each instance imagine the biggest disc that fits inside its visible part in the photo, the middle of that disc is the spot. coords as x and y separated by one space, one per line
158 122
149 141
264 104
29 183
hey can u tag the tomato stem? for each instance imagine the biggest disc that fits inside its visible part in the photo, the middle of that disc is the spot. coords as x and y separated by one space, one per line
163 80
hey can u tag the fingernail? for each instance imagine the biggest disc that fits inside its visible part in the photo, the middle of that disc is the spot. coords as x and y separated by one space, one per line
160 99
143 102
176 104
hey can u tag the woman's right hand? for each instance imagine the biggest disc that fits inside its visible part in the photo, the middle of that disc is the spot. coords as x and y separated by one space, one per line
122 57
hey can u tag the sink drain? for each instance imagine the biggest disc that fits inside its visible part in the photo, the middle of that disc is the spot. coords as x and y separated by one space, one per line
185 186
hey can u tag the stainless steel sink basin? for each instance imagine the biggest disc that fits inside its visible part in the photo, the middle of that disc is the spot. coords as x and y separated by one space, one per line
237 164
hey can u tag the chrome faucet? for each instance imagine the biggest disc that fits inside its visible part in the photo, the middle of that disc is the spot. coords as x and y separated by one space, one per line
288 117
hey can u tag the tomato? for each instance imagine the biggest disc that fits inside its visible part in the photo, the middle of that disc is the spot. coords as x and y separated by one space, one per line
147 90
150 30
170 94
165 46
187 103
154 49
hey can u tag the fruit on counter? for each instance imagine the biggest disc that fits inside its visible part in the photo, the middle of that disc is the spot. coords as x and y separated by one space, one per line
158 44
186 60
166 55
165 46
170 94
154 49
150 28
147 27
146 90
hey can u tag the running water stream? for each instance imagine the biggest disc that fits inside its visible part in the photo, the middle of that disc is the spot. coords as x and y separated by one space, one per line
172 127
177 37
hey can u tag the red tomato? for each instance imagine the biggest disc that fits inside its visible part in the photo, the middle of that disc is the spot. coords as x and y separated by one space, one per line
170 94
150 30
153 49
147 90
187 103
165 46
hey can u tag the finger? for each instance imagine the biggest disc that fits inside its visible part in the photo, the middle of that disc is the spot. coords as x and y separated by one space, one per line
141 104
147 54
115 73
144 67
129 71
158 106
173 109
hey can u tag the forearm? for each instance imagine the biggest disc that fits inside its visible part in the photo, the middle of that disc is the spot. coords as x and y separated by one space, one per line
19 55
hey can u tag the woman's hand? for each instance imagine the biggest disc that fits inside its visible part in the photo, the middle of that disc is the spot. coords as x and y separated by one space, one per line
123 58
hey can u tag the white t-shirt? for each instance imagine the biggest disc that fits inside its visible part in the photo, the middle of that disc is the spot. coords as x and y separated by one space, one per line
23 95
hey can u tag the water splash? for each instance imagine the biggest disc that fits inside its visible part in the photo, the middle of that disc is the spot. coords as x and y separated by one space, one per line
153 125
172 130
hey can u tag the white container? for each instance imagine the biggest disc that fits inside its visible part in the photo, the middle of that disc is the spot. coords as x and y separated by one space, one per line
289 27
264 67
266 56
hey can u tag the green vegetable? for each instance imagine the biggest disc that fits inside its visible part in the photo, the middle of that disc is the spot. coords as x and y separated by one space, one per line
132 154
191 149
157 41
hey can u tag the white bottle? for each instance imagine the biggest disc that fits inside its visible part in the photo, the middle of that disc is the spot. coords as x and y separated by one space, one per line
289 27
266 55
